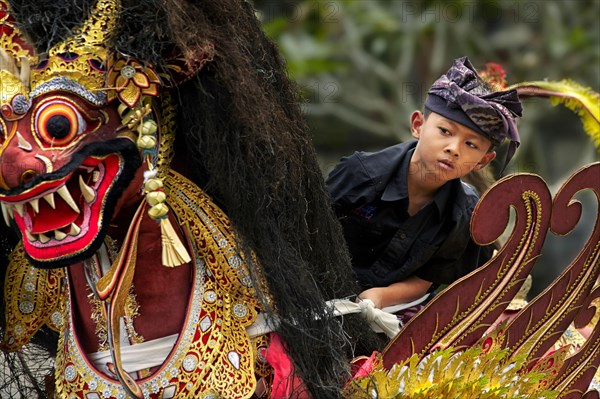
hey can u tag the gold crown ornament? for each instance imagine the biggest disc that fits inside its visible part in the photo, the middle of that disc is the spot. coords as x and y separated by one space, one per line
80 60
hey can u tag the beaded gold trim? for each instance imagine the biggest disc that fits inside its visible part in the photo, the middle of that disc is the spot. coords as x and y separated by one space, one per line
213 357
33 298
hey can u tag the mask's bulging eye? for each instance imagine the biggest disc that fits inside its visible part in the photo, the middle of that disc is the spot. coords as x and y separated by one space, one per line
59 123
58 126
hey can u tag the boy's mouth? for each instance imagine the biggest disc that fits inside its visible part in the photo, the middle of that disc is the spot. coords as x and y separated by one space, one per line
446 164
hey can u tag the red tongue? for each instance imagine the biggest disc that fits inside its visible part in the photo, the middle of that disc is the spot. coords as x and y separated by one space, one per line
52 219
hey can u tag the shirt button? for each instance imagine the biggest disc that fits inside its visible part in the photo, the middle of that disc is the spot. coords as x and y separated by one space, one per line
402 236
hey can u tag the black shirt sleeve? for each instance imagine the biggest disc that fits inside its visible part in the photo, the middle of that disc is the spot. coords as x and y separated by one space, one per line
349 182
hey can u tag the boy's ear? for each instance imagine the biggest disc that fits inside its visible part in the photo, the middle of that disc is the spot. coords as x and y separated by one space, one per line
417 119
487 158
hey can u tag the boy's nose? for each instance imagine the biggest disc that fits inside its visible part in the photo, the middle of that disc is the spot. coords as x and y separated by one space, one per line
452 149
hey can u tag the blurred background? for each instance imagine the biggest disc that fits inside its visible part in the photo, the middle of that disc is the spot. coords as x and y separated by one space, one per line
363 66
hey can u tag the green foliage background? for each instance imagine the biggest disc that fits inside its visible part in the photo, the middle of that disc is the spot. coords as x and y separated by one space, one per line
364 65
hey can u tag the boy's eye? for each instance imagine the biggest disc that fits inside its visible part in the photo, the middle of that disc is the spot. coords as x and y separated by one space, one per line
444 131
472 145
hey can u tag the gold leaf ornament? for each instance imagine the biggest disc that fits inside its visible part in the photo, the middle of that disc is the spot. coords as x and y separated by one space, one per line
447 373
582 100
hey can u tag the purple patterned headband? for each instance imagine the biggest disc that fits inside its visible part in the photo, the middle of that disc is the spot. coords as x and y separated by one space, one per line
462 96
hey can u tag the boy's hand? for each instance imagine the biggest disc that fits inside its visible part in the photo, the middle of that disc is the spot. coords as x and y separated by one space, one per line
401 292
374 295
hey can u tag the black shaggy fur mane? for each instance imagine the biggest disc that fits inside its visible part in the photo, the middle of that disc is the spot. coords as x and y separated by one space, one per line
242 135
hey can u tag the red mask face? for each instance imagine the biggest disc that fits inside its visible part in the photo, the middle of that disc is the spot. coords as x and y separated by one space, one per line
69 127
63 165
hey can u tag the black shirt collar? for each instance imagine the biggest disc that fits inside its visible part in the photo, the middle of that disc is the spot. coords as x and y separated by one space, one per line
397 188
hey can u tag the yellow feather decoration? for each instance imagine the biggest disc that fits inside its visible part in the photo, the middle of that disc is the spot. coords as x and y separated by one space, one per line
472 373
582 100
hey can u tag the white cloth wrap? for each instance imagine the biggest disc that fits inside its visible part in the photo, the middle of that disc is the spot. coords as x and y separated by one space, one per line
137 357
379 320
153 353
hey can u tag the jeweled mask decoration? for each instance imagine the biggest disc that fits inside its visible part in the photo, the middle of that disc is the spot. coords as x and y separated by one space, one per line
67 148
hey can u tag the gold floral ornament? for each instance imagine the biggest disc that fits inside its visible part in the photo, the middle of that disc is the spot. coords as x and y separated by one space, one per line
129 81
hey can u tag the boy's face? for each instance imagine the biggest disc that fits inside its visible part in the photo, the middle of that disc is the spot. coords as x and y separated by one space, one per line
447 150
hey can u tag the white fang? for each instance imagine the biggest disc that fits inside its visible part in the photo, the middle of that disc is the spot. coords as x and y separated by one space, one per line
88 193
66 195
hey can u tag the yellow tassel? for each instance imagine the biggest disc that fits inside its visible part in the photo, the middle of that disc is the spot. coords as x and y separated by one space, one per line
173 250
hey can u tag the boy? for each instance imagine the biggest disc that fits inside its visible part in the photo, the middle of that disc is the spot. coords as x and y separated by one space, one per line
404 211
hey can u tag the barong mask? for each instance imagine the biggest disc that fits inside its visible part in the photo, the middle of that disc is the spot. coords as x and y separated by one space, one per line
462 96
67 147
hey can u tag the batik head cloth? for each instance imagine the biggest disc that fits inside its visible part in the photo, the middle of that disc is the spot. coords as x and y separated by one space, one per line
462 96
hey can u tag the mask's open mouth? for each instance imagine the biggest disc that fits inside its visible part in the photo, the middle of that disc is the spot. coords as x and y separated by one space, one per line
62 220
60 212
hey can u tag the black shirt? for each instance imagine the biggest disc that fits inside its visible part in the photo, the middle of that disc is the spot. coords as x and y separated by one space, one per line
387 245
